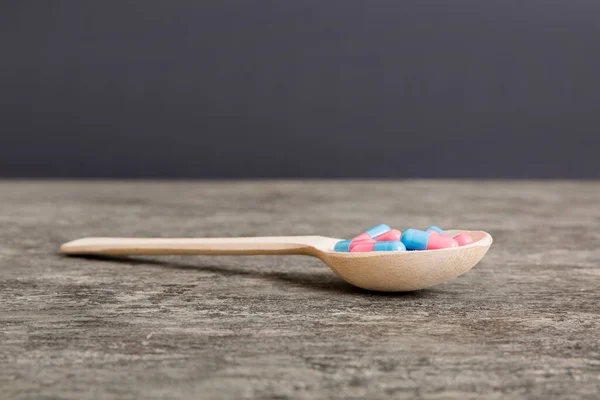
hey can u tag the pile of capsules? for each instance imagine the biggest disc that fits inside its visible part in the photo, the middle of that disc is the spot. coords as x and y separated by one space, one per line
384 238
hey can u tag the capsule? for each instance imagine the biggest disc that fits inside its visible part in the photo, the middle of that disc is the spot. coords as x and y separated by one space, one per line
435 229
373 232
365 246
414 239
393 235
342 246
348 245
463 239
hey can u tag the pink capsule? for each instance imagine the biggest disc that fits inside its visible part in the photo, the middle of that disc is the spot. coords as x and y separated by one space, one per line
389 236
364 242
441 242
373 232
415 239
364 246
393 235
463 239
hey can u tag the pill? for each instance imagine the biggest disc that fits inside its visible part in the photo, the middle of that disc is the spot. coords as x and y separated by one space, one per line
415 239
373 232
363 242
348 245
393 235
365 246
342 246
435 229
463 239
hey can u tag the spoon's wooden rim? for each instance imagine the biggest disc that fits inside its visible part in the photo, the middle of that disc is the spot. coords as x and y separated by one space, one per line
485 241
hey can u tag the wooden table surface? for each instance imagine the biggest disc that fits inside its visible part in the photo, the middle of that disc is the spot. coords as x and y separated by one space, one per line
524 323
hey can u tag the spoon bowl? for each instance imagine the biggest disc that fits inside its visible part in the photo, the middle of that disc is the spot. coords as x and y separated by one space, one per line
392 271
411 270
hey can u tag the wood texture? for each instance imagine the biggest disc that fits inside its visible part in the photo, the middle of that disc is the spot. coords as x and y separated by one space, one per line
294 245
523 324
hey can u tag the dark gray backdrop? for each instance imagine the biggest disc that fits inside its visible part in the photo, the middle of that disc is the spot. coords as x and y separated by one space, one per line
216 88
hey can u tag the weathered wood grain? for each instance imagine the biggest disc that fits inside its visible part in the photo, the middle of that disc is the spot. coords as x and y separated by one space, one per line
525 323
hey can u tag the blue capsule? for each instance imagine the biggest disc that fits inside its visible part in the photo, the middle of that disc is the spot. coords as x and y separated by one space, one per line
342 246
366 246
373 232
389 246
435 228
414 239
378 230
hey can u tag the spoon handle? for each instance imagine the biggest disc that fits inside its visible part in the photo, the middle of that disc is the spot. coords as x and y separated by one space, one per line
189 246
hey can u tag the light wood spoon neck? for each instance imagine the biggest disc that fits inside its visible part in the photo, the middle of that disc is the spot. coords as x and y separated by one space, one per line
304 245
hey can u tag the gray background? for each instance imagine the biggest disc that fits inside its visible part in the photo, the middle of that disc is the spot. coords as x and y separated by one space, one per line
300 89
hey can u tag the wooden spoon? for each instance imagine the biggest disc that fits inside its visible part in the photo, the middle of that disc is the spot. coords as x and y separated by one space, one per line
380 271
